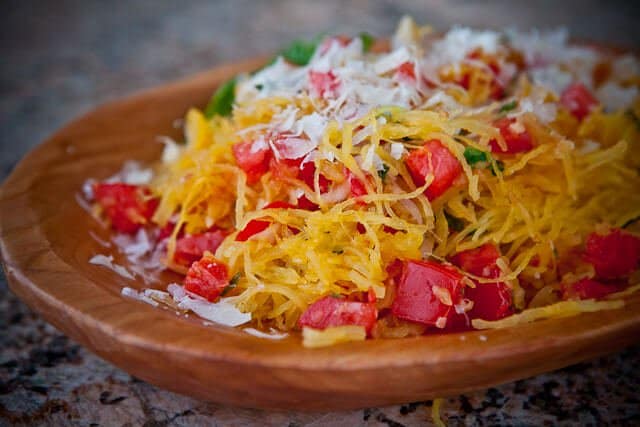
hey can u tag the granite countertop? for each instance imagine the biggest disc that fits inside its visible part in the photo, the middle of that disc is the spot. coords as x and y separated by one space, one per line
61 60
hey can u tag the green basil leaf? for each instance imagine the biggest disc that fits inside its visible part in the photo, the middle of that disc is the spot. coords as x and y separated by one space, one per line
367 41
473 156
221 103
299 52
508 106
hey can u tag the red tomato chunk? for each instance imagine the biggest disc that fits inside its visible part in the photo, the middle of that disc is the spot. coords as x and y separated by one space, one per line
480 261
613 255
128 207
331 311
406 71
588 289
253 161
256 226
491 301
517 142
417 297
323 85
191 248
433 159
578 100
207 278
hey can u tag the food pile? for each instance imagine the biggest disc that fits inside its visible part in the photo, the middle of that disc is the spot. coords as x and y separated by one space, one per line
350 189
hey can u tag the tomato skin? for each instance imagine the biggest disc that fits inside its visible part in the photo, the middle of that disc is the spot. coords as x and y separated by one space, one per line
357 187
191 248
331 311
491 301
256 226
307 174
323 84
517 142
588 289
127 206
613 255
480 261
433 158
207 277
254 163
578 100
415 298
406 71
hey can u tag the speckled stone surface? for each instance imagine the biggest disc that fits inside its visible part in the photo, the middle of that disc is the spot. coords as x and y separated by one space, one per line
62 58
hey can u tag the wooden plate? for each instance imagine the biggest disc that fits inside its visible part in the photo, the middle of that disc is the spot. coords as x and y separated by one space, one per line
46 246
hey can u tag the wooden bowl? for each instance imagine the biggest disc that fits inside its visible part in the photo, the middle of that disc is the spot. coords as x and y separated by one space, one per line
46 245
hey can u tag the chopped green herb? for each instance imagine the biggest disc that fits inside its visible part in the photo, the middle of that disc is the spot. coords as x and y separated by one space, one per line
473 156
463 132
259 86
406 139
232 284
221 103
632 115
455 224
382 173
499 165
336 295
338 251
299 52
508 106
631 221
367 41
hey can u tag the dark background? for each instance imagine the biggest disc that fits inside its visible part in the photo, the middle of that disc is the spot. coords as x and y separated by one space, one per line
60 59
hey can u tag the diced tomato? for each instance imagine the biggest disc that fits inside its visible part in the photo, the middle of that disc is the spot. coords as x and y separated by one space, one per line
457 322
394 269
253 161
517 142
323 84
588 289
306 204
578 100
128 207
357 187
330 311
307 174
417 298
491 301
283 169
433 159
256 226
406 71
613 255
191 248
480 261
207 278
253 227
166 231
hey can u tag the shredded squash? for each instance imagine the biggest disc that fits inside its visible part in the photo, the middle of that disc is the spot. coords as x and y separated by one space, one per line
360 122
